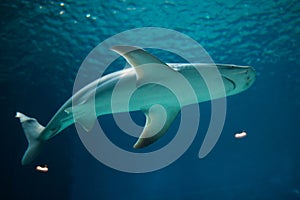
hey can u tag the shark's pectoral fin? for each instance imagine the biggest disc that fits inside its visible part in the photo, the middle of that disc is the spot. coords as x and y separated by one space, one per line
148 68
84 114
158 121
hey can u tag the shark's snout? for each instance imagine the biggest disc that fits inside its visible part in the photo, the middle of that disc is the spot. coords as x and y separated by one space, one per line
242 77
250 76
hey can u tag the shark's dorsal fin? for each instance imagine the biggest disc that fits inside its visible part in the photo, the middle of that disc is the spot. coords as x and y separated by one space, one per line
158 121
139 59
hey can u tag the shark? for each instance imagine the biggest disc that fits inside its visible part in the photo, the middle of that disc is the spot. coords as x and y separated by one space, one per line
95 99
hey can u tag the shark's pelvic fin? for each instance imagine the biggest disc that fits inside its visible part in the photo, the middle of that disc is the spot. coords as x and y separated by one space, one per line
158 121
139 59
84 114
32 130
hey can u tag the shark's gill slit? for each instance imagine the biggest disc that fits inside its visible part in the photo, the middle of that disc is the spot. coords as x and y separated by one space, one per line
231 81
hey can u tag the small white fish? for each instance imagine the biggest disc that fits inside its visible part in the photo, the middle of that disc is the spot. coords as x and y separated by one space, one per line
42 169
240 135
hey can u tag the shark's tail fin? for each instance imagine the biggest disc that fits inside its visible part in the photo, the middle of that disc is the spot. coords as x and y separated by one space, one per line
32 130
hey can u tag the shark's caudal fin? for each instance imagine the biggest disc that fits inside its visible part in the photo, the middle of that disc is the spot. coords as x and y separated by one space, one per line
32 130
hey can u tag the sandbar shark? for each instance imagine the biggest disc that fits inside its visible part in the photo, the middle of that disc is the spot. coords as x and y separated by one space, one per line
145 68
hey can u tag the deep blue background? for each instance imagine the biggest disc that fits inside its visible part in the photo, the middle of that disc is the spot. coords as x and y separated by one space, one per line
42 45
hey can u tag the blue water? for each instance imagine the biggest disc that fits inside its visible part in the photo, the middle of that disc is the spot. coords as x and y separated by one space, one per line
43 44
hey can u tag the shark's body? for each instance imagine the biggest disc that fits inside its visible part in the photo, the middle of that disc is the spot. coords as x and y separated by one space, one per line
95 99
